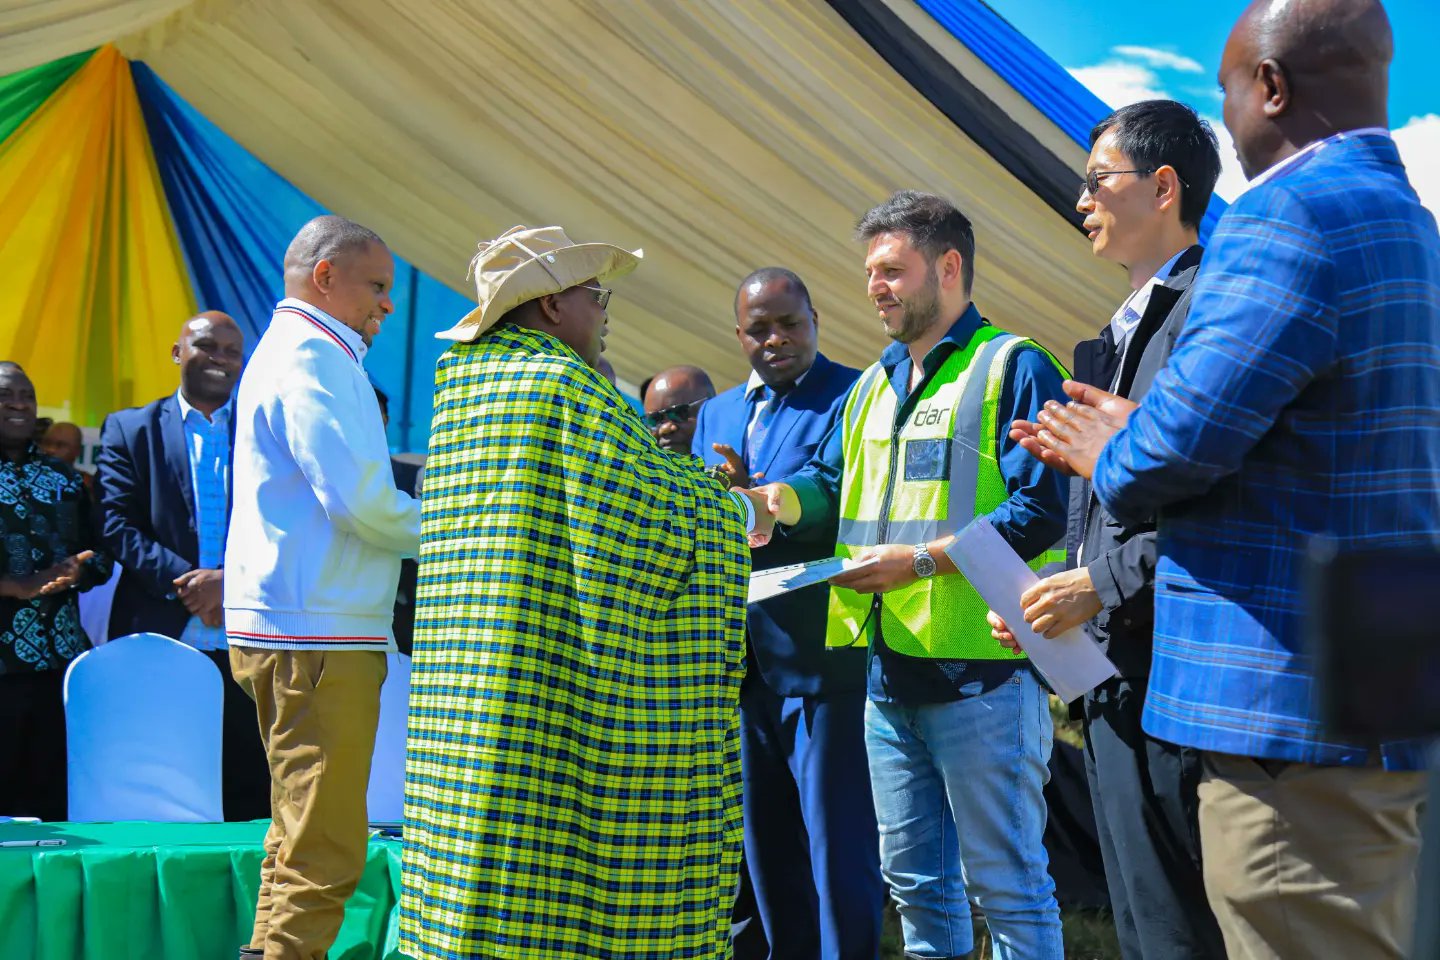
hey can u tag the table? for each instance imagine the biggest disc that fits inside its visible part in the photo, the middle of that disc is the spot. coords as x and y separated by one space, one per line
164 891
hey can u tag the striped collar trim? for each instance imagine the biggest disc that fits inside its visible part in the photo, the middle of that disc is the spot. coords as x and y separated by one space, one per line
344 338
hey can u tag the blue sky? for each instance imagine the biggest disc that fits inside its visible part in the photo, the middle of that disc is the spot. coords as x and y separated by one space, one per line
1127 50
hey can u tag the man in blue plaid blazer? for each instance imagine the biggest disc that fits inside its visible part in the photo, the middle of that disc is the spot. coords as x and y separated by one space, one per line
1302 399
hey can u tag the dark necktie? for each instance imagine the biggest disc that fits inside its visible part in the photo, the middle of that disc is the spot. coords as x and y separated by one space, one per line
755 443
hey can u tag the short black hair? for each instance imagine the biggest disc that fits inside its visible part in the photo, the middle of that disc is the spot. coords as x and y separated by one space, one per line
933 224
1160 133
768 274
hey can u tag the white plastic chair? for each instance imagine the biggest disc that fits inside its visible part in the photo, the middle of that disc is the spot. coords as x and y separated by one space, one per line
143 721
385 797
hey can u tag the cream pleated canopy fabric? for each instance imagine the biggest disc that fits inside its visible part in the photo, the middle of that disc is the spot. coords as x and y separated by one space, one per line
720 135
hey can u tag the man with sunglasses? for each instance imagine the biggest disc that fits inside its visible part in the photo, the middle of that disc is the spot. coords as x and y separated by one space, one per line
1152 168
672 402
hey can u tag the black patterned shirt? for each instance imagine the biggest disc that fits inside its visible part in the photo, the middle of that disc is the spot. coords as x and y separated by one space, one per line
46 515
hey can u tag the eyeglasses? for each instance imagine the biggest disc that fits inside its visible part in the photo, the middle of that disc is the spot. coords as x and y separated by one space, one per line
676 414
1091 183
602 295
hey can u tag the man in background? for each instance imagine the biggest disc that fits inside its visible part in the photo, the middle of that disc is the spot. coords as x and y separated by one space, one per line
164 480
672 402
51 553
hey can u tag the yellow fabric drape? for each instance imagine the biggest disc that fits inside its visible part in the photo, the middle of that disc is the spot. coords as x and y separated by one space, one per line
95 280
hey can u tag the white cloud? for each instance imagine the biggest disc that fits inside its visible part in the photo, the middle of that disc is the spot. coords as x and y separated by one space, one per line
1419 143
1232 181
1163 59
1119 83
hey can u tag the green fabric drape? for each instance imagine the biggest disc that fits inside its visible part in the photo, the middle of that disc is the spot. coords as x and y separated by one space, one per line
23 91
117 891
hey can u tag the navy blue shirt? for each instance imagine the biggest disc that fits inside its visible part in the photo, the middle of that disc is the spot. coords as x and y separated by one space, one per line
1031 519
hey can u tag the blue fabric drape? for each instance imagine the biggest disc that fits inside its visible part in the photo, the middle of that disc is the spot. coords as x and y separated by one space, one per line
235 217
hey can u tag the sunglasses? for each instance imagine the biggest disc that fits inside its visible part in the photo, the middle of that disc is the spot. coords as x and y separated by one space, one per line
676 414
602 295
1091 183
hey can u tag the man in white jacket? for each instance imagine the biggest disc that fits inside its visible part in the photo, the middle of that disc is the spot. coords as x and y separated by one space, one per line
316 538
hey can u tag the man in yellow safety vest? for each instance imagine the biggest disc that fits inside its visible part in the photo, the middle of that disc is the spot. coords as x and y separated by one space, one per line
958 731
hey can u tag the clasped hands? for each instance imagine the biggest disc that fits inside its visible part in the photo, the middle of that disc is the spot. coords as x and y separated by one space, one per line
203 593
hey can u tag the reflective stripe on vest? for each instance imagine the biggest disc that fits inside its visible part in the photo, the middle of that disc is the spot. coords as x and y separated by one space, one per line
926 480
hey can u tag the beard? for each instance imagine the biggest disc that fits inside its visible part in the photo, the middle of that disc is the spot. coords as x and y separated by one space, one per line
920 312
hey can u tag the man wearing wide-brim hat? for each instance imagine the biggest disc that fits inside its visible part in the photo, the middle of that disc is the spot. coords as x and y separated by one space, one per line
573 784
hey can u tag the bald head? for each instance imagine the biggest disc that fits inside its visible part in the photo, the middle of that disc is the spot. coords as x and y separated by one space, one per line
325 238
1296 71
210 352
672 402
344 269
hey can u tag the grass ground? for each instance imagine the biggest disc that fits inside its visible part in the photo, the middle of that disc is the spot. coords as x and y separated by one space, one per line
1089 935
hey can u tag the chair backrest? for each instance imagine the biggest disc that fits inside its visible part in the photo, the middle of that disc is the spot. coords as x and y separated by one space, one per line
143 721
385 798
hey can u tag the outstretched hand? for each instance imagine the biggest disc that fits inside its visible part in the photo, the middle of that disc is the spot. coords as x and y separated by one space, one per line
734 466
764 527
1069 437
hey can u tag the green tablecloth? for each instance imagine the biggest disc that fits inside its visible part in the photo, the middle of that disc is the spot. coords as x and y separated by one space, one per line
163 891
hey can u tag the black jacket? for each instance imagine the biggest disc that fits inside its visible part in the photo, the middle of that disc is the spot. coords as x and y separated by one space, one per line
1122 561
147 504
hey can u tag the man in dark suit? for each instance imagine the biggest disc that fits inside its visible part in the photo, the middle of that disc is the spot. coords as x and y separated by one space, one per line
1152 168
810 839
164 478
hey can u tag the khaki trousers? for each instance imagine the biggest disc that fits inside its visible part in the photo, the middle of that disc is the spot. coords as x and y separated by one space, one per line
1303 861
318 712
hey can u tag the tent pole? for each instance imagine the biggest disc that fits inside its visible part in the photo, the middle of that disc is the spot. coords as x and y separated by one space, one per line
409 359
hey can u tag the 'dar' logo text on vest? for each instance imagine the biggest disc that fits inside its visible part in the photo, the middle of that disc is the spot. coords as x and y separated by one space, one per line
927 415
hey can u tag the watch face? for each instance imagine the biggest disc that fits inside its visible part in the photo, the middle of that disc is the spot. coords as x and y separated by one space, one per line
924 564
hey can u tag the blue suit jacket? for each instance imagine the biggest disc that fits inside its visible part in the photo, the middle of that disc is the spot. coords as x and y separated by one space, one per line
1302 398
787 634
147 502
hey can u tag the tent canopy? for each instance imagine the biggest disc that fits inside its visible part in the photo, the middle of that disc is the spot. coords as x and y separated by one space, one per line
720 135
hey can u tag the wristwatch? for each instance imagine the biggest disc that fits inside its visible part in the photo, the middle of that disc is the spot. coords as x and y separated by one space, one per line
923 564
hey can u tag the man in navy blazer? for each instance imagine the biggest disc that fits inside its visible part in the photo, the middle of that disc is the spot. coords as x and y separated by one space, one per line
810 839
163 474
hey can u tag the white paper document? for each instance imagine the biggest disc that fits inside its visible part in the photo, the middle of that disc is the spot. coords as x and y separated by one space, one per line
1072 663
765 584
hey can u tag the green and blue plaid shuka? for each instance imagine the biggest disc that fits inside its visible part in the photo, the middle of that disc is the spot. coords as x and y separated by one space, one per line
573 776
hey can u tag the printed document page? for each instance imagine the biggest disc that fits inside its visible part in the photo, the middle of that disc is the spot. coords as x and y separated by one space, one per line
1072 663
765 584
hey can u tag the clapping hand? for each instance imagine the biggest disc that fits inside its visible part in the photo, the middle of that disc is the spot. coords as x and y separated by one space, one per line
1069 437
43 583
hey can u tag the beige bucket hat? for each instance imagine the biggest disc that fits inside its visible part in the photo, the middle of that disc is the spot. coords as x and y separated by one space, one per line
525 263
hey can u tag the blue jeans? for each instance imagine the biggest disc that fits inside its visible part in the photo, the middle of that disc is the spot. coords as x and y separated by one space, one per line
959 795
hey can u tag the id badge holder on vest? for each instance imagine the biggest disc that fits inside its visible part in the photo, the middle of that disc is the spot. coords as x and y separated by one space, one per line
927 460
